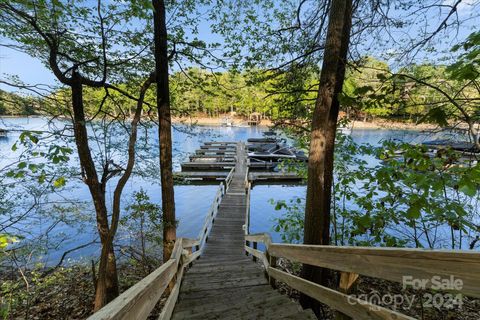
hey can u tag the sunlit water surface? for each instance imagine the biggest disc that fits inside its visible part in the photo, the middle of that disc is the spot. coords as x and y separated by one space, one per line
192 202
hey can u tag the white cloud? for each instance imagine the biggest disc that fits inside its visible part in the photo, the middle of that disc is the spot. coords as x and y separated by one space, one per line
464 7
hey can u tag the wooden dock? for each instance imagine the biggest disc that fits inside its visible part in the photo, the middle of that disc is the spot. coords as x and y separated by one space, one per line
215 151
224 283
221 158
274 177
204 175
210 277
221 143
204 166
218 147
215 157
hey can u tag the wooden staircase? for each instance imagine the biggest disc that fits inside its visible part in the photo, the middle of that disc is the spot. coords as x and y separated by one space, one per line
224 283
211 277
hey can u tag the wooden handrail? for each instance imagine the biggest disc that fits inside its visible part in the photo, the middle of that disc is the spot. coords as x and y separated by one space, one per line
246 226
351 306
229 178
211 215
189 243
391 264
140 299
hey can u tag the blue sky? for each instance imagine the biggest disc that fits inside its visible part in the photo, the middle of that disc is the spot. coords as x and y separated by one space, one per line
32 71
29 69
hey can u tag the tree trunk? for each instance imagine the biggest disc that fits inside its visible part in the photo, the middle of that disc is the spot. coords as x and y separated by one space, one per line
324 124
164 131
106 288
107 282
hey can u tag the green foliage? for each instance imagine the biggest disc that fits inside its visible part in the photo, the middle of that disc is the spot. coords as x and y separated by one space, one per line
5 240
144 226
410 198
436 115
41 159
19 105
28 294
467 67
291 224
199 92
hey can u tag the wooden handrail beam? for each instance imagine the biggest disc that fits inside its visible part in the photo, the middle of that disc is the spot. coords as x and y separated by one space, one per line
167 309
189 243
258 254
138 301
260 237
390 263
351 306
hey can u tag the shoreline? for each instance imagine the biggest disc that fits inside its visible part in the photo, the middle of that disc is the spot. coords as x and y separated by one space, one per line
377 125
213 121
391 125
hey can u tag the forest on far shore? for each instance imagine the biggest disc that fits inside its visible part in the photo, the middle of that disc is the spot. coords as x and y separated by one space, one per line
371 91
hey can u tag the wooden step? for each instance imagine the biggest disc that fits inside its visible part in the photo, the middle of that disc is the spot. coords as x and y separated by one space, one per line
224 283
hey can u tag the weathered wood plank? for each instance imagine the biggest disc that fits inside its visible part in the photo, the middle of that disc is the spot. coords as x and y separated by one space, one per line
207 165
221 142
188 243
218 147
138 301
353 307
258 254
194 256
212 156
167 309
392 264
274 176
347 279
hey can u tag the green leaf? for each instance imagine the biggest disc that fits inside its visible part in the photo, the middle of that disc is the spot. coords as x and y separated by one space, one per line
414 212
365 221
60 182
467 187
436 115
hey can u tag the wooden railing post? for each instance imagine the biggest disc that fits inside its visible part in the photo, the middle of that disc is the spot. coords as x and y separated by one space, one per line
189 250
273 264
247 243
254 247
347 279
272 261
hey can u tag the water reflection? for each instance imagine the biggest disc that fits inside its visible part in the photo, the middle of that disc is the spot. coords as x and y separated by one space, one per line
192 202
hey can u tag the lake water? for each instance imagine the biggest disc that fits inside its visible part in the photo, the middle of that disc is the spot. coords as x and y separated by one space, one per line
192 202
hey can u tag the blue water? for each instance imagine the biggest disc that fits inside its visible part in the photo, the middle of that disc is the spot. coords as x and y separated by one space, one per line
192 202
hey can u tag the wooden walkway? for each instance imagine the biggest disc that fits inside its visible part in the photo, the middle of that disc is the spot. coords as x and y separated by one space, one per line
224 283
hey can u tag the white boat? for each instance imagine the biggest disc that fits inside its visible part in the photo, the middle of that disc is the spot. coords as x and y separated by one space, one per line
227 122
242 125
345 130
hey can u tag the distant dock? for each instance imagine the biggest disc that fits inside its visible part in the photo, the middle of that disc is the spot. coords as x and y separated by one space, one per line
214 160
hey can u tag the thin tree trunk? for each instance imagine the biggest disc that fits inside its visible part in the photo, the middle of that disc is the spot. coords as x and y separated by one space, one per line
107 282
324 123
164 131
